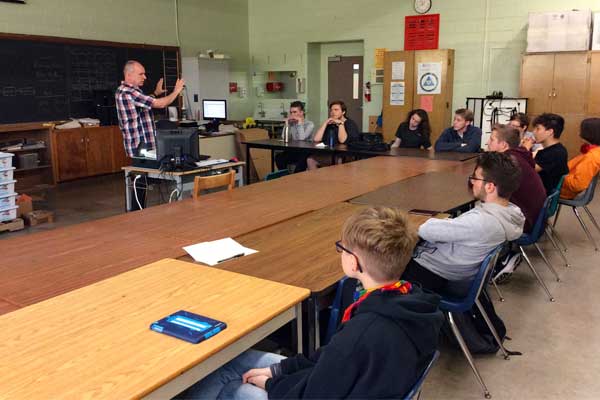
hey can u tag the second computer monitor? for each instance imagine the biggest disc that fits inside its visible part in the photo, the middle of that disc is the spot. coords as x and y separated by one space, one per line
214 110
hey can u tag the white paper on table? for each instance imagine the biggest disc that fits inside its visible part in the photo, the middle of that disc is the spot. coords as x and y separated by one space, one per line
217 251
321 144
398 70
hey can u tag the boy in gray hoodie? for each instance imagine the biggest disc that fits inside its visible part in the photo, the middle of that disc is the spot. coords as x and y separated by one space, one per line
449 256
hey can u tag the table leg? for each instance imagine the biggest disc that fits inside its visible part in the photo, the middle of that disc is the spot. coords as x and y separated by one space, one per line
312 329
128 205
272 160
240 175
299 327
247 164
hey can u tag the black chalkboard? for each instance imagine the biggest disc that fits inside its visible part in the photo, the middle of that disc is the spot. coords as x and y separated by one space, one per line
43 80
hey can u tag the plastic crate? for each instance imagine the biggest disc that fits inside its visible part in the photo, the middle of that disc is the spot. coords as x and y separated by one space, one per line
7 187
8 213
6 160
8 200
6 174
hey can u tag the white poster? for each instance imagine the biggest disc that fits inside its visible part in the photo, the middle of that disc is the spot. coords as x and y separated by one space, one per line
398 70
397 94
429 78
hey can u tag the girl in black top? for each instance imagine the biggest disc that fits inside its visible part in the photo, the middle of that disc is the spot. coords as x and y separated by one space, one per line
415 131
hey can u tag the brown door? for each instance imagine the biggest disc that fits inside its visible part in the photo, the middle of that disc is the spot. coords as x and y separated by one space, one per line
570 83
345 82
537 73
70 145
99 150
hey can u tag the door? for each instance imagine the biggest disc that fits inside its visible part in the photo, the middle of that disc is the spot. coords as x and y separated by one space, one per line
99 150
71 160
537 72
570 83
398 70
345 81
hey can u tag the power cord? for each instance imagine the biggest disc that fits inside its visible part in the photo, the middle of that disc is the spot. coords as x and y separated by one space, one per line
135 191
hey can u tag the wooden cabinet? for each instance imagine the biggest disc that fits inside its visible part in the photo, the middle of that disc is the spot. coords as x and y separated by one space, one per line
441 115
562 83
84 152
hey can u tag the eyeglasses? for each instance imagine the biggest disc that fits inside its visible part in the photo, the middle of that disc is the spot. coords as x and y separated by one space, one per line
474 178
339 248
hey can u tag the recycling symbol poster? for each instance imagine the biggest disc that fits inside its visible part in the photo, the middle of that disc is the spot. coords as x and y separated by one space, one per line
429 78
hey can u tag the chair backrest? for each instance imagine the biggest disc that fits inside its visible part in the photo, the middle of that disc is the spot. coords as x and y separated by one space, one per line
588 195
345 290
277 174
414 391
553 206
212 182
540 222
485 270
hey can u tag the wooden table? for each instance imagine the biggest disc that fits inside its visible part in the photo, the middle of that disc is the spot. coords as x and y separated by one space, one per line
442 191
300 252
341 149
45 264
184 180
95 342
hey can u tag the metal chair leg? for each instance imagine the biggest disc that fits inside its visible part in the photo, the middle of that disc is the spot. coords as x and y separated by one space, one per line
556 216
500 297
468 355
589 213
587 232
550 267
492 329
551 237
558 238
537 276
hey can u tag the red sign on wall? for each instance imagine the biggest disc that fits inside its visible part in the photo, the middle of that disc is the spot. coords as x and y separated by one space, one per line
421 32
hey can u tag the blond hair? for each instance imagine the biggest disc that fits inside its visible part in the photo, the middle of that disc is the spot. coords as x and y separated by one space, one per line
384 239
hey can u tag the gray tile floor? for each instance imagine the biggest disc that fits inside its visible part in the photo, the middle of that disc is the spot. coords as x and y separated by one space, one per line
560 341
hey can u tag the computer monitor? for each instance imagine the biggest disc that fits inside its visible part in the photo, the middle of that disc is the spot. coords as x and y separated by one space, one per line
177 147
215 111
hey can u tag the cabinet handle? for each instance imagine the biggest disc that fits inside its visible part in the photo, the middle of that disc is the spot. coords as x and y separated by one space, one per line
81 140
88 140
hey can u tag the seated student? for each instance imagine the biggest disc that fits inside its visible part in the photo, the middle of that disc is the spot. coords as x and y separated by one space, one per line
415 131
530 194
521 122
551 161
586 165
338 126
386 338
462 136
299 129
451 252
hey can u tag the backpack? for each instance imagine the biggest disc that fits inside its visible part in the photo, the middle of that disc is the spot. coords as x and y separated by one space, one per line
370 142
474 330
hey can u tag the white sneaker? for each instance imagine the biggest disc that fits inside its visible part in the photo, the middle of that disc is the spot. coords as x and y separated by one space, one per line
508 266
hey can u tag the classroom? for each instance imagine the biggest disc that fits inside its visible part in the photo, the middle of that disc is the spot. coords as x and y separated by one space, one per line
252 199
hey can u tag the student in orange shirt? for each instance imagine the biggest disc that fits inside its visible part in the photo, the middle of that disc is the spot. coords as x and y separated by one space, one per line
585 166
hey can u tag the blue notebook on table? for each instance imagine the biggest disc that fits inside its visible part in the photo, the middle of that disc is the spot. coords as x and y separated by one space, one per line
188 326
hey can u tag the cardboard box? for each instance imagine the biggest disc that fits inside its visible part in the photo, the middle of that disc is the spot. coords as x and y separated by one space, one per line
25 205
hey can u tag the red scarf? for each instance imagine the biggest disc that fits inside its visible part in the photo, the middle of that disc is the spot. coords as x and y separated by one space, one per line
586 147
403 287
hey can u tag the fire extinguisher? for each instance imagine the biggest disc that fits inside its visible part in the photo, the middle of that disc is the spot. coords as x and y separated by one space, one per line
367 91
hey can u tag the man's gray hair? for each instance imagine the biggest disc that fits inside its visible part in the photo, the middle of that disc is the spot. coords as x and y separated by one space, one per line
129 65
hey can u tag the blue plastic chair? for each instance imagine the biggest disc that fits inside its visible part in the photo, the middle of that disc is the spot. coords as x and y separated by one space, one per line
276 174
415 391
455 305
550 231
344 285
582 201
532 238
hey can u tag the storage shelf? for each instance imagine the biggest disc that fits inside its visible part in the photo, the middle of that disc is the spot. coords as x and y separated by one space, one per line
27 149
32 169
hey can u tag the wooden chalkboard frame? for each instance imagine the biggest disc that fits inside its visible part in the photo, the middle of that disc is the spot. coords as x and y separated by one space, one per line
105 44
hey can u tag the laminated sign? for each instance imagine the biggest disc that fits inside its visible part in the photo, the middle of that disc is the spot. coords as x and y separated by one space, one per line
429 78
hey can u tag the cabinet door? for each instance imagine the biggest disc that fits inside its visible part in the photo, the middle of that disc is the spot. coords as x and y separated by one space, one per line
99 150
393 115
71 155
120 158
570 83
593 102
537 71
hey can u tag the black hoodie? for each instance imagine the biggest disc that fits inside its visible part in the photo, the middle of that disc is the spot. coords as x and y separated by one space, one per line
379 353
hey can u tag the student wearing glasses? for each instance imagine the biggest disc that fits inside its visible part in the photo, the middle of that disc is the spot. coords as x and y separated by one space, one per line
449 256
386 338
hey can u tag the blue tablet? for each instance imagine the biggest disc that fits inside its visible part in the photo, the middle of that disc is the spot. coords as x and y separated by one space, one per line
188 326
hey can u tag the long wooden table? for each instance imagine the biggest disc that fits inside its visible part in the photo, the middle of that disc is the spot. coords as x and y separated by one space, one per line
442 191
300 252
95 342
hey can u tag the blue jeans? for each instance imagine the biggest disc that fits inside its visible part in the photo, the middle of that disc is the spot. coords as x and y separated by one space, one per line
226 382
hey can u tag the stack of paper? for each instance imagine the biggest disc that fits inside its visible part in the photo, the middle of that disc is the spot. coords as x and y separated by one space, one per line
217 251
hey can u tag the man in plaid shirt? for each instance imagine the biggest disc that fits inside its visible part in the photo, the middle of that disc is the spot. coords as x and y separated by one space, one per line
134 108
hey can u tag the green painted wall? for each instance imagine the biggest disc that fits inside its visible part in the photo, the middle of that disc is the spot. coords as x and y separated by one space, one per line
489 36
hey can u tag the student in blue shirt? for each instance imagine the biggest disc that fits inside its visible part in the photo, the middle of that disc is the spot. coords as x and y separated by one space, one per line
462 136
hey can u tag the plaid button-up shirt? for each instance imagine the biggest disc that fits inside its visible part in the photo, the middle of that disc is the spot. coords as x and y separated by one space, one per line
134 109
